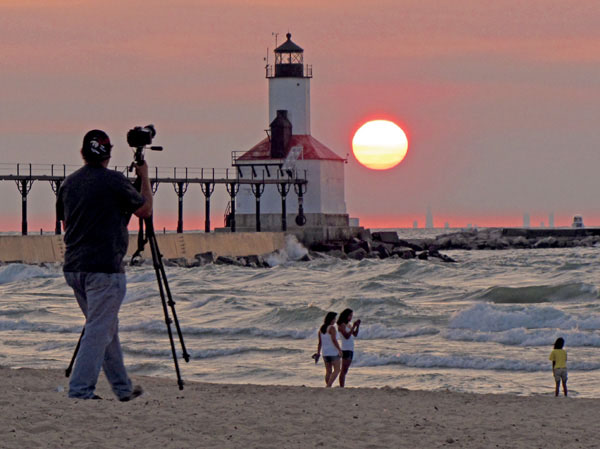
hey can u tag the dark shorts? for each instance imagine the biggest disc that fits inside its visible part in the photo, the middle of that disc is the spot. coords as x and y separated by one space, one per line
347 355
330 358
560 374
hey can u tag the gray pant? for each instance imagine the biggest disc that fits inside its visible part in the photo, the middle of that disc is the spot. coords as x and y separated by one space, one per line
99 296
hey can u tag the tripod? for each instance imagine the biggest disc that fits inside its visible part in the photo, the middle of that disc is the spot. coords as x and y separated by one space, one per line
163 284
163 287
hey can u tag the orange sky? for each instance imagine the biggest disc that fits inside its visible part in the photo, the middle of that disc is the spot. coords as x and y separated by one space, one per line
500 100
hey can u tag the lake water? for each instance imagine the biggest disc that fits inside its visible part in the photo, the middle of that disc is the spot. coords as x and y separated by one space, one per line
484 324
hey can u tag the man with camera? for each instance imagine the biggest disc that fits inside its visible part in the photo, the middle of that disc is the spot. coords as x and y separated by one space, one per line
96 204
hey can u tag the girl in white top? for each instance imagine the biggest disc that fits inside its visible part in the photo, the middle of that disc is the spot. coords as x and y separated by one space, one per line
348 333
331 348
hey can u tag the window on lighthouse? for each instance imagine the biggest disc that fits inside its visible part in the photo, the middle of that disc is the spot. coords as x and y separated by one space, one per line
289 58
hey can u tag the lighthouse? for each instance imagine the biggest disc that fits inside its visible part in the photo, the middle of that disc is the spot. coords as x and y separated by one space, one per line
317 210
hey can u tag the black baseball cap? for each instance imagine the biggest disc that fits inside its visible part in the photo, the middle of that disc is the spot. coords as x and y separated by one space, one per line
96 146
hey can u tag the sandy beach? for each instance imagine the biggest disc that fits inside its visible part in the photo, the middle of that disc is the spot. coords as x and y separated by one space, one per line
36 412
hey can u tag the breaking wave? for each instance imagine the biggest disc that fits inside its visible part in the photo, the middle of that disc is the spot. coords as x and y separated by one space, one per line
493 318
16 272
421 360
539 293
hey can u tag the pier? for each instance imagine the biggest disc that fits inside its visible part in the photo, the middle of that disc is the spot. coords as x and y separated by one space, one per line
24 175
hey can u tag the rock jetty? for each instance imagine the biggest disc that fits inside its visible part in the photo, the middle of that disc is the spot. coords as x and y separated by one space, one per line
388 244
514 238
380 245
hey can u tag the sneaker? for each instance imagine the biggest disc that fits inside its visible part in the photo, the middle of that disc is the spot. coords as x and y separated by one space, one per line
137 391
85 399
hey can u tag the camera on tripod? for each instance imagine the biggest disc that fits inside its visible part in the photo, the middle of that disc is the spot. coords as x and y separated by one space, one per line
139 138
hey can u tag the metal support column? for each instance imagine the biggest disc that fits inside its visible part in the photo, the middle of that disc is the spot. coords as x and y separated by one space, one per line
154 186
233 189
180 189
300 190
55 188
24 186
258 190
283 191
207 189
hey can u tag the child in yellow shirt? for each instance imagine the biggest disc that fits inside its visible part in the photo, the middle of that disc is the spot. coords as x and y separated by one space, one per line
559 365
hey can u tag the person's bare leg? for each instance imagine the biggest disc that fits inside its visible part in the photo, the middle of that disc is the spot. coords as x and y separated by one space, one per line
345 366
334 374
328 369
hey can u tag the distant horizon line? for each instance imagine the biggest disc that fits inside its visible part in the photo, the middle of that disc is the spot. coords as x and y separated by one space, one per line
371 228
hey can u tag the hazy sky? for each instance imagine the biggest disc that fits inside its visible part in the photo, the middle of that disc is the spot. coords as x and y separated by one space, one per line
500 100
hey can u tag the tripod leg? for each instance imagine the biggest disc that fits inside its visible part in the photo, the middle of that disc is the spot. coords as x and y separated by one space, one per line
156 258
70 367
171 304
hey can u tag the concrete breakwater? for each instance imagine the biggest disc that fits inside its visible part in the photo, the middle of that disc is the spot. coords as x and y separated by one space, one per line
183 247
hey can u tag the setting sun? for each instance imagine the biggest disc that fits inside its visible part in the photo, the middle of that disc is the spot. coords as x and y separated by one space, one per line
379 145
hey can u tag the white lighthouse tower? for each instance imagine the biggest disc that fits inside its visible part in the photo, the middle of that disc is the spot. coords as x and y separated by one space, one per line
289 86
290 148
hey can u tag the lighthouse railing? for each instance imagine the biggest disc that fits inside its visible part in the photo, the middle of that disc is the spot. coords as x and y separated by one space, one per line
307 70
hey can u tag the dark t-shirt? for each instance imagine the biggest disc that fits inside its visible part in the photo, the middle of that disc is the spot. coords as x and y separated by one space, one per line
96 205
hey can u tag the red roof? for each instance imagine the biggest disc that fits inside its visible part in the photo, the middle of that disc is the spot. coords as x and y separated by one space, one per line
313 149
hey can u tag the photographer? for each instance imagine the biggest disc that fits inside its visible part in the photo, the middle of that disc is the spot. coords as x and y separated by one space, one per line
96 204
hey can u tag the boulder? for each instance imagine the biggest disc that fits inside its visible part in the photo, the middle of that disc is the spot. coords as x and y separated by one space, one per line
337 253
353 245
255 261
494 233
447 258
442 257
546 242
205 258
365 235
324 247
315 255
459 241
443 242
404 253
423 255
175 262
519 242
588 241
499 243
417 245
383 250
386 237
225 260
358 254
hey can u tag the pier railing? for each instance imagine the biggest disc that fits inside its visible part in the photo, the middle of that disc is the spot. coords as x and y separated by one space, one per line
51 172
24 175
